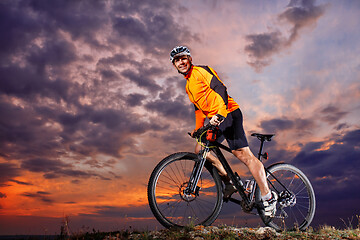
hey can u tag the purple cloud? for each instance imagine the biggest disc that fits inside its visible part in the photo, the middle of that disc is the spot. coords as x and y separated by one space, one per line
299 14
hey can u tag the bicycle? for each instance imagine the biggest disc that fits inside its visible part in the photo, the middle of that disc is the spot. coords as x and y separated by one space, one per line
185 189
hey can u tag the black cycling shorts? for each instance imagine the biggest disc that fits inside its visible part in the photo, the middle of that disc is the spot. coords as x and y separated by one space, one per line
233 131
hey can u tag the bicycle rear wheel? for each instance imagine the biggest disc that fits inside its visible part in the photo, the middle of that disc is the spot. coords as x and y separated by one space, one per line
295 208
169 204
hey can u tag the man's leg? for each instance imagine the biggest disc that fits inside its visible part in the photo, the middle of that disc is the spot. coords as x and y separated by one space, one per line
255 166
215 162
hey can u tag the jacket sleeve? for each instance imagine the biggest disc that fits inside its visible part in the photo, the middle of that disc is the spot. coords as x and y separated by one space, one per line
219 88
199 118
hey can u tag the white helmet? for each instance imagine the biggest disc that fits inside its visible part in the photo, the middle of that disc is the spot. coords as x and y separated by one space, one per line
179 51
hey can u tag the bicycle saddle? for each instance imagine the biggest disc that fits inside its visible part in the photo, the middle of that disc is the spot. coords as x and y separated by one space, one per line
266 137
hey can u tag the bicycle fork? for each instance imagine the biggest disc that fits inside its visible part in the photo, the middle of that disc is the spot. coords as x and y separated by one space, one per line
196 173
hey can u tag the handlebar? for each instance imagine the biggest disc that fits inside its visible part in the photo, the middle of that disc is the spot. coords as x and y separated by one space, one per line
201 130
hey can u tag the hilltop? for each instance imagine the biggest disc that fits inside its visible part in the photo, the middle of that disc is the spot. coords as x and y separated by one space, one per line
226 232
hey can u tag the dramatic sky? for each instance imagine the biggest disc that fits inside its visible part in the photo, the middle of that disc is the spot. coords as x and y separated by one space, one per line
90 103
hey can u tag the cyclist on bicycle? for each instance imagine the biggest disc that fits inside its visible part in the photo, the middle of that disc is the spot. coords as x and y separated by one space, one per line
209 96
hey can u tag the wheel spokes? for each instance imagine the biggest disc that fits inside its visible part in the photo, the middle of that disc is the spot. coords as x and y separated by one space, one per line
294 207
184 208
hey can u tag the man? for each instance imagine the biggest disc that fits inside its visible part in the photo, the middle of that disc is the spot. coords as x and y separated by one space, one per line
209 96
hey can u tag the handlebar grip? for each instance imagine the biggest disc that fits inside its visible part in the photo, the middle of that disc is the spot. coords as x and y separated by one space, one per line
198 132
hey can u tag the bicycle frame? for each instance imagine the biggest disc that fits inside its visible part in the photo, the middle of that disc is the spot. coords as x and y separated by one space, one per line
183 182
247 199
235 178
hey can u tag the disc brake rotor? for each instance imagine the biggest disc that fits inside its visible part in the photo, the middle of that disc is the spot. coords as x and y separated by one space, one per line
188 197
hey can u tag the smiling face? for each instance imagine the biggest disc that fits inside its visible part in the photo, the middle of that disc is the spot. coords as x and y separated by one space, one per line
182 63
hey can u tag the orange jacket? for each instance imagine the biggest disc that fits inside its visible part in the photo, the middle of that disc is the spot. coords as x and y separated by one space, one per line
208 94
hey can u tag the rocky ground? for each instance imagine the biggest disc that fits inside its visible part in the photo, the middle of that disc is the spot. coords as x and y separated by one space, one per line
228 232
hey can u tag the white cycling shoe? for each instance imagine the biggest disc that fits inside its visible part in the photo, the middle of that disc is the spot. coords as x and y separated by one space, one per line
270 205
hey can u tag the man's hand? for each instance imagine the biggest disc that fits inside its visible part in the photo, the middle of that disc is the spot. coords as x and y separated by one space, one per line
216 120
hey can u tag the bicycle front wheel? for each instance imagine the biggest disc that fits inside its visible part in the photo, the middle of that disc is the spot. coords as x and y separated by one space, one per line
295 208
168 201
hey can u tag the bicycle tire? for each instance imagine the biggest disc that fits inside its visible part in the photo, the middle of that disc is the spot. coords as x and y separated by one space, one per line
291 213
166 198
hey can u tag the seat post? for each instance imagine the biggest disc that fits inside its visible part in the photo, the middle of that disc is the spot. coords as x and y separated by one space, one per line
262 140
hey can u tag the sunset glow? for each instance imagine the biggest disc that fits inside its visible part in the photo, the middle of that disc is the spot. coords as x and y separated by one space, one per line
90 102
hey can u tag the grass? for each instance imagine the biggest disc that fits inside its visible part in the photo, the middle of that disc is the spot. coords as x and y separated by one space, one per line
224 232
